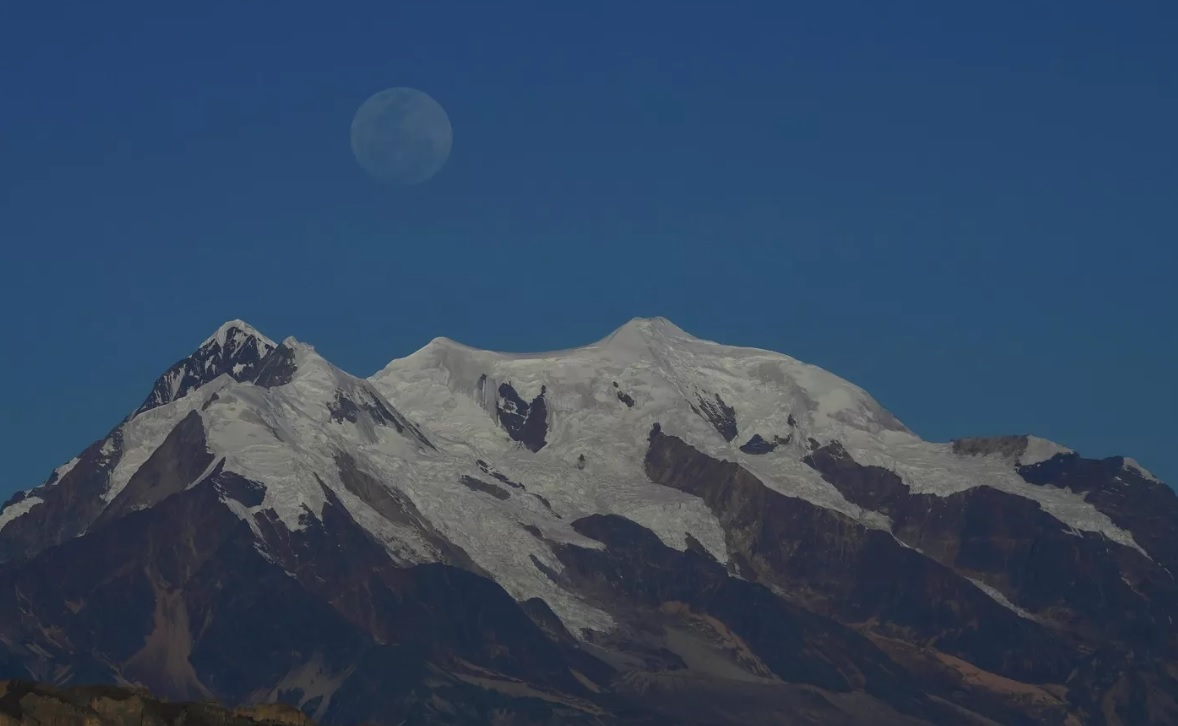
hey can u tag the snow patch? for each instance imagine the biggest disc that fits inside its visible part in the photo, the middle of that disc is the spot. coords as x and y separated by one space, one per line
60 472
18 509
1039 450
1139 470
1001 599
930 468
143 434
259 438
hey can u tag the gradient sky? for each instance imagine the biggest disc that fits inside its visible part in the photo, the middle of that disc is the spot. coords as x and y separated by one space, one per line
967 208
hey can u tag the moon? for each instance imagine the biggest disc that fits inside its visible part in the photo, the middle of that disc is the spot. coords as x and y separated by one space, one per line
401 136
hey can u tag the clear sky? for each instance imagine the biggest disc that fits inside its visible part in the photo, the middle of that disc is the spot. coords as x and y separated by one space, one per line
970 209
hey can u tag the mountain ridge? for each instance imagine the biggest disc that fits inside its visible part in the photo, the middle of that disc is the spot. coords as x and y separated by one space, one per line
541 474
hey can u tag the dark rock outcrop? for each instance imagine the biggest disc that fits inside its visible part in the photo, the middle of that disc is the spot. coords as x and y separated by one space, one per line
180 598
1010 447
1101 591
524 422
1146 508
177 463
757 445
825 560
344 408
236 351
689 605
277 368
720 415
69 505
398 509
368 406
479 485
624 397
498 475
246 492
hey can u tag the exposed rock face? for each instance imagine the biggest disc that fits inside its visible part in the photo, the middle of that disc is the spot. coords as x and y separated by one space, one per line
758 445
179 461
68 505
720 415
738 623
235 350
1079 580
524 422
624 397
479 485
671 531
277 369
1011 447
235 487
224 619
1085 590
1142 505
344 408
833 564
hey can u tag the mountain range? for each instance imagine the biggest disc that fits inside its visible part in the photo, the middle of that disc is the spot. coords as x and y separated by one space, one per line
651 529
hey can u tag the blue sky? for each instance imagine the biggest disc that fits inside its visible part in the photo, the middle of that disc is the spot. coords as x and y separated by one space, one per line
966 208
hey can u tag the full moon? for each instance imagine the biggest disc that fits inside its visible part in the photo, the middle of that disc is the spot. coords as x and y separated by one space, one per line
401 136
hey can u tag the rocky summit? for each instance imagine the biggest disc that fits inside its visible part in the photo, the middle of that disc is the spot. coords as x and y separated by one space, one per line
651 529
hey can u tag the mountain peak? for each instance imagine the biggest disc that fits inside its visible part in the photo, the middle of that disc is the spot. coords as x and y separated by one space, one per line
235 329
236 349
639 335
443 342
299 363
1140 470
653 327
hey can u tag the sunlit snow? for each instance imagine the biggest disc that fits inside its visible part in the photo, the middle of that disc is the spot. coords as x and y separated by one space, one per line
602 401
18 509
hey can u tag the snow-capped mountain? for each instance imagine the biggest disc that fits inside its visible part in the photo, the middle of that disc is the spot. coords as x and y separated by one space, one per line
235 350
588 535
